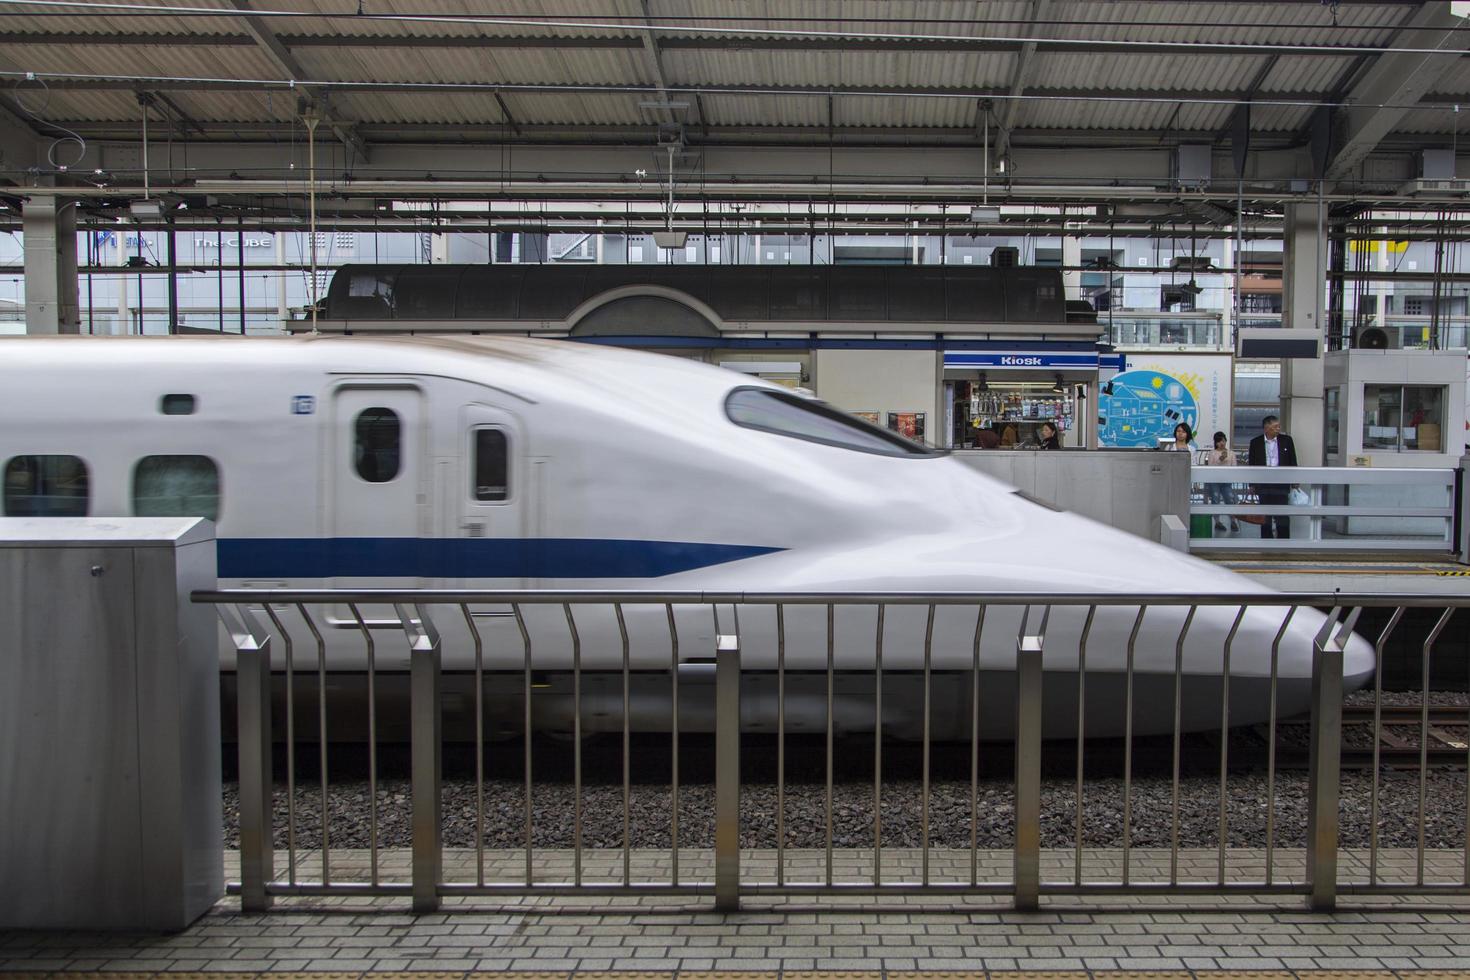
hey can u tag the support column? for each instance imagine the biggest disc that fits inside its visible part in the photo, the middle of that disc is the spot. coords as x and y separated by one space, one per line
52 306
1303 303
1071 273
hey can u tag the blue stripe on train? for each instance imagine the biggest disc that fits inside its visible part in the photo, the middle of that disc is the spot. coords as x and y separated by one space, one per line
297 558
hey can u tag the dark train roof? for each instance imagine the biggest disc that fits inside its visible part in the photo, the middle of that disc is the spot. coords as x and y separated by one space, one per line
841 293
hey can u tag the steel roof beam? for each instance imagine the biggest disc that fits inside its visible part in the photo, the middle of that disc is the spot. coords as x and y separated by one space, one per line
1024 62
435 89
667 42
653 60
316 95
1394 84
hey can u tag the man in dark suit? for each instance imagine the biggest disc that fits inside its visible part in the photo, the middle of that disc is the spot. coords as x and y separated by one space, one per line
1273 448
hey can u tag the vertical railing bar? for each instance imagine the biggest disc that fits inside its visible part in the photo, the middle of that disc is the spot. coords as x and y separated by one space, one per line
1378 650
1026 853
1128 746
1325 776
831 666
780 744
975 752
1081 734
1178 729
1424 739
878 749
321 707
367 637
526 708
426 746
1225 744
576 745
1271 746
673 746
290 742
252 646
469 622
627 750
728 675
928 708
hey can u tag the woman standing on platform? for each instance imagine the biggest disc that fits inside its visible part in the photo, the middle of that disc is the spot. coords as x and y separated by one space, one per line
1183 439
1221 493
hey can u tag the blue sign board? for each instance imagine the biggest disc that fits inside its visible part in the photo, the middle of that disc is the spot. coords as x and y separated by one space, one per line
1032 360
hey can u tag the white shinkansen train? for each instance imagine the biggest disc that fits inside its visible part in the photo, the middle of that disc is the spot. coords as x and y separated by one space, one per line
524 464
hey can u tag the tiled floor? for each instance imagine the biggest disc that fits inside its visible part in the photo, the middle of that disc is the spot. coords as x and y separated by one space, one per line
347 936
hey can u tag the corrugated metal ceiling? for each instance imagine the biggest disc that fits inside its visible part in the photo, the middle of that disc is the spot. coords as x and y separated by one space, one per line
1114 74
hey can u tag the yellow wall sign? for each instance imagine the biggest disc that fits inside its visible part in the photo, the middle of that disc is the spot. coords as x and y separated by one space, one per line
1360 245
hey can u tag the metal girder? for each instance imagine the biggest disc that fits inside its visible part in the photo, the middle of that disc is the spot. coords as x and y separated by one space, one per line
183 122
510 120
667 42
1170 96
655 64
1395 83
271 45
1024 60
21 145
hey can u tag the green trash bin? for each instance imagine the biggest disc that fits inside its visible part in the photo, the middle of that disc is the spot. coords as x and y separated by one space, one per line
1201 526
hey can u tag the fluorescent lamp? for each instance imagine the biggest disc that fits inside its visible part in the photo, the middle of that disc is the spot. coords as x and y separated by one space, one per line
985 215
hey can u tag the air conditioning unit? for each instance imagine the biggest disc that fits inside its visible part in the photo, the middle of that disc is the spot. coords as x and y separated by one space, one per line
1370 338
1429 186
1005 257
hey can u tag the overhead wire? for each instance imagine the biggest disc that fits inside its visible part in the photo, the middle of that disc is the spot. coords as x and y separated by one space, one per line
70 137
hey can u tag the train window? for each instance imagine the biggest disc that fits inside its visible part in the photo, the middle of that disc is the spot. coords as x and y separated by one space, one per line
377 445
176 486
46 486
802 418
177 405
492 465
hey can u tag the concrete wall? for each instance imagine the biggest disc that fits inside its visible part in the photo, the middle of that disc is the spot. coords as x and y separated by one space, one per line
1129 490
882 381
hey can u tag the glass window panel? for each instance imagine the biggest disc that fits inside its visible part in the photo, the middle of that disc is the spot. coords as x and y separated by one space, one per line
492 465
377 444
1423 419
1382 406
1334 422
176 486
46 486
814 421
177 405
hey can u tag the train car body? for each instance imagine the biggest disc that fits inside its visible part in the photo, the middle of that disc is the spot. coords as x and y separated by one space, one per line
525 464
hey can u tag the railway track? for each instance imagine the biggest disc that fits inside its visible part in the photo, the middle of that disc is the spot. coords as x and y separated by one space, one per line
1398 742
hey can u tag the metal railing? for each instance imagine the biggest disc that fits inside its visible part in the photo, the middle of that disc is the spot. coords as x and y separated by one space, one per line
1323 508
1019 621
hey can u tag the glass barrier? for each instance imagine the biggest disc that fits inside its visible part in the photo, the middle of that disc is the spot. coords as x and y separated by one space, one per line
1258 508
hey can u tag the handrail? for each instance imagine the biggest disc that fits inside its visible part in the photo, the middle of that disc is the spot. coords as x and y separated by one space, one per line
1035 703
634 597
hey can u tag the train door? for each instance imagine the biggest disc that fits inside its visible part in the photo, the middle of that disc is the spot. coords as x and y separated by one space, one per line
376 511
493 500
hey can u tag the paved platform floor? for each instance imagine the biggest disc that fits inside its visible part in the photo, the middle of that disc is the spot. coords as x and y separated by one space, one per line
340 937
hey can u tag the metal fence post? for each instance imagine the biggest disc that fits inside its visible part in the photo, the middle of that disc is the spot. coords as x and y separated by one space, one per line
1325 761
727 773
253 714
424 658
1028 771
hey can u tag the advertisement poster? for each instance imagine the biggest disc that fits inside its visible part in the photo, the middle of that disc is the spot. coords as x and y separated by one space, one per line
868 417
1155 392
907 424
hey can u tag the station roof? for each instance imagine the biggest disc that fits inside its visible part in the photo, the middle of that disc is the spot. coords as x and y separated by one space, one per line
1041 72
